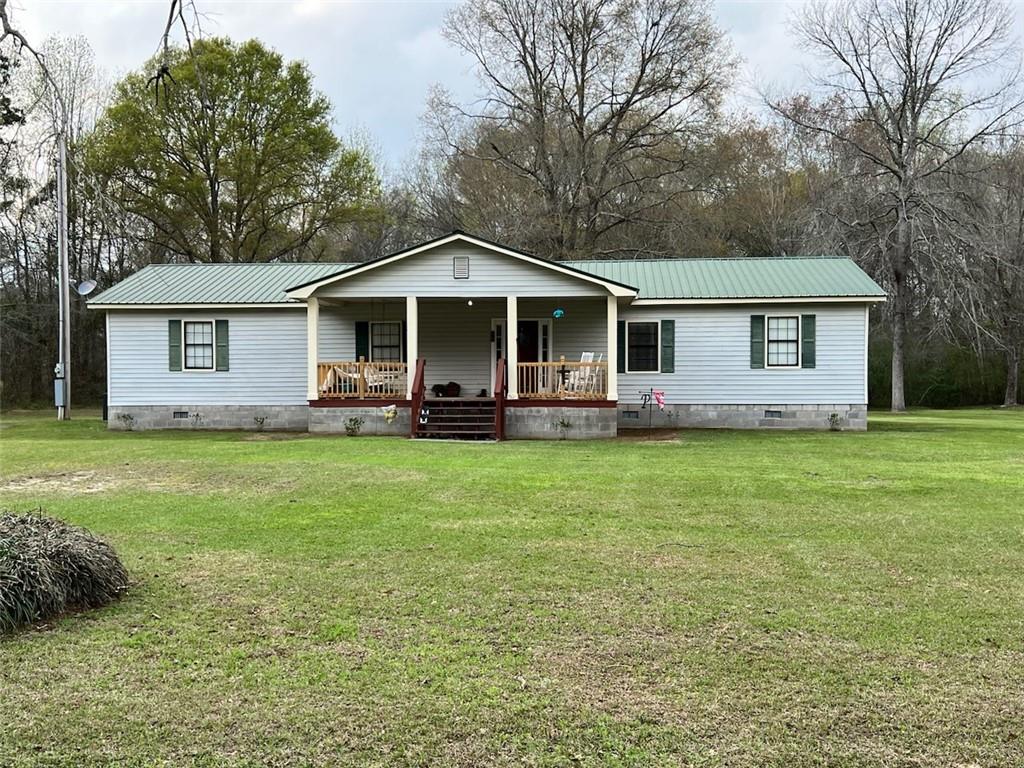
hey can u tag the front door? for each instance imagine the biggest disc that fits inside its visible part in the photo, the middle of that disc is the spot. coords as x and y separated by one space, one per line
534 342
529 341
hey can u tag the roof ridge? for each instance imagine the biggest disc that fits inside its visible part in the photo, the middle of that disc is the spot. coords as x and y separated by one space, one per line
251 264
675 259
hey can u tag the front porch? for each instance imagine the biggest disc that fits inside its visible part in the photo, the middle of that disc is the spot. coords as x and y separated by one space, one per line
428 356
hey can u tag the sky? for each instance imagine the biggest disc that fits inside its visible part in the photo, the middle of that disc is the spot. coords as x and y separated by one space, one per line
376 60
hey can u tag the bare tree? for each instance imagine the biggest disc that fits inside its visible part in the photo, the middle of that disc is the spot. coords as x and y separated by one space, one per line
591 104
985 287
898 74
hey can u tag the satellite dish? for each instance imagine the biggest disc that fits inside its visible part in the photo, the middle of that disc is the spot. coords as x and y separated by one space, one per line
85 287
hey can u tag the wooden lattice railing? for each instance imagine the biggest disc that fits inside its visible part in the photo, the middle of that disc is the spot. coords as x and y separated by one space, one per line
360 380
563 380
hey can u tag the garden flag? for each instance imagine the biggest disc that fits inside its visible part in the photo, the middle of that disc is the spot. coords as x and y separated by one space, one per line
659 398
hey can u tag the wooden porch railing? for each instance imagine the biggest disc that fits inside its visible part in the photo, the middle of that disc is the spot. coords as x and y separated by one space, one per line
360 380
417 397
563 380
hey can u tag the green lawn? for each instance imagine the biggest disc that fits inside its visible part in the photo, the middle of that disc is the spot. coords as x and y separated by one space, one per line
718 599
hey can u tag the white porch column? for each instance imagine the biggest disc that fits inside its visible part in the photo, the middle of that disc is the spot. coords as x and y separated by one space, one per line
512 347
613 348
412 343
312 336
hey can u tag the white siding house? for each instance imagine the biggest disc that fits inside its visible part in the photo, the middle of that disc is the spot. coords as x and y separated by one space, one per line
418 343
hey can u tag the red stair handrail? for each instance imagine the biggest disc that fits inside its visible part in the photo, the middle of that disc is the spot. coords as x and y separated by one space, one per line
417 397
499 400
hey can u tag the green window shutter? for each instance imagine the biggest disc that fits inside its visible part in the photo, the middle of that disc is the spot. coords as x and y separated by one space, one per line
757 341
362 339
220 333
807 341
621 346
668 346
174 345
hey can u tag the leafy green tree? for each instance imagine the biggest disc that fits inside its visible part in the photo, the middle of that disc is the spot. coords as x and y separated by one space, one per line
230 156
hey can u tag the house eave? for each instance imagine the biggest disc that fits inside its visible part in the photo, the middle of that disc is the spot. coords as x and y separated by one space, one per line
763 300
236 305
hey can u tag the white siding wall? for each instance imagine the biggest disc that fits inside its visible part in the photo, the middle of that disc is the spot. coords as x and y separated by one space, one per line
583 328
490 274
337 339
712 363
267 350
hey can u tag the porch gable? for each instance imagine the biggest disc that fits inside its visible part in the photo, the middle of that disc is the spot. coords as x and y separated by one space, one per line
460 266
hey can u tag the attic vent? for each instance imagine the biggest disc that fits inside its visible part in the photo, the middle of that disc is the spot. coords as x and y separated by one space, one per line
460 267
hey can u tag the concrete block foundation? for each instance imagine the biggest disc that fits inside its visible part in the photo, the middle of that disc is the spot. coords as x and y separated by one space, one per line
843 416
559 423
256 418
334 420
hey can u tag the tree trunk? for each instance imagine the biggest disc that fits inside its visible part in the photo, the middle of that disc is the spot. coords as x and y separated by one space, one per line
900 308
899 329
1012 376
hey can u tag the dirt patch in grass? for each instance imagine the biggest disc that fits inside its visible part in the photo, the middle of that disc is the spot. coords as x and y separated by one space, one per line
261 437
83 481
166 479
644 435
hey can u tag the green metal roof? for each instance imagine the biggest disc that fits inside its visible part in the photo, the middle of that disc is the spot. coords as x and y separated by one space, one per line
737 278
693 279
214 283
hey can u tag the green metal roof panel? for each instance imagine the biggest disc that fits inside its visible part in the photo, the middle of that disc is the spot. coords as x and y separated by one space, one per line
737 278
214 283
686 279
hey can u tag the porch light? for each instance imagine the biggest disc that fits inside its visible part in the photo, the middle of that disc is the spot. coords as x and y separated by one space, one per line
558 313
469 303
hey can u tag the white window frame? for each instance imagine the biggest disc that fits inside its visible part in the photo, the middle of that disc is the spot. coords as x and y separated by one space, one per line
657 345
401 339
799 343
184 349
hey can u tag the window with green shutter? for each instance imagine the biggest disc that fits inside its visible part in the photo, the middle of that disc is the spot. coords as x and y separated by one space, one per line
808 353
222 337
174 345
620 346
783 342
757 341
668 346
362 340
199 346
642 346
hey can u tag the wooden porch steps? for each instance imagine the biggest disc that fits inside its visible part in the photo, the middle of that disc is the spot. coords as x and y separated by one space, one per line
469 418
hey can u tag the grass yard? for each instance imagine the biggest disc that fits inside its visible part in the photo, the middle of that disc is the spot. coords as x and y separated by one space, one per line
719 599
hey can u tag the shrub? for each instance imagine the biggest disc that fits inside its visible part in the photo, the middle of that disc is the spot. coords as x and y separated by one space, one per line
48 567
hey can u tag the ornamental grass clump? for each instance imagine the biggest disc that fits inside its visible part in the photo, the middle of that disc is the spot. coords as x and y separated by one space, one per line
48 567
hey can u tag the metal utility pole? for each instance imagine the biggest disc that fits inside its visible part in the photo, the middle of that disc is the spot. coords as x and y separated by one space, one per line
62 390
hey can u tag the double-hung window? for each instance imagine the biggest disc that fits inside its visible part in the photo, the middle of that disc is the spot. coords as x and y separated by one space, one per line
642 345
198 345
386 342
783 337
